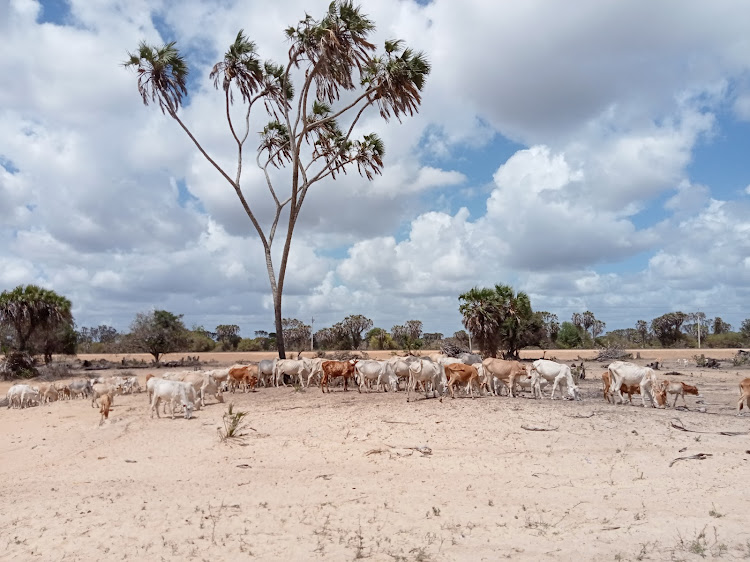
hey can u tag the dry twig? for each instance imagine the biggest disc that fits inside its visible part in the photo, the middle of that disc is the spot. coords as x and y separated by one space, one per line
698 457
677 424
532 428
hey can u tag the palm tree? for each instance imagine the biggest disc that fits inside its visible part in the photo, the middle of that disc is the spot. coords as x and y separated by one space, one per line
515 314
481 316
28 309
308 134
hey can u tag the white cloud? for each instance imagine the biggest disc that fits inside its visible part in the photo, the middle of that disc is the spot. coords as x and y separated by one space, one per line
610 102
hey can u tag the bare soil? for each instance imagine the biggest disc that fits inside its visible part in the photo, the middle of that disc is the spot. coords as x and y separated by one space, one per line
344 476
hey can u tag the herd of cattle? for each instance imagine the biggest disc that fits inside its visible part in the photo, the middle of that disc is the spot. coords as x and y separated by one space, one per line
435 375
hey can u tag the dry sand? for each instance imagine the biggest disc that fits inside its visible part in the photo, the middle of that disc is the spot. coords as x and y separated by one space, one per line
340 477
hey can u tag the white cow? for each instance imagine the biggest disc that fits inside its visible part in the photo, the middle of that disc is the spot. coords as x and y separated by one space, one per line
400 367
631 374
176 393
431 375
203 384
556 373
373 371
470 358
266 369
316 370
21 395
293 367
99 390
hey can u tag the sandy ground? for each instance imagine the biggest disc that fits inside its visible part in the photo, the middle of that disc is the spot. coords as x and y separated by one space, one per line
340 477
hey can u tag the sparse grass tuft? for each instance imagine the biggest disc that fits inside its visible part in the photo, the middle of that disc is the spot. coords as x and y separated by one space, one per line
233 424
714 513
700 545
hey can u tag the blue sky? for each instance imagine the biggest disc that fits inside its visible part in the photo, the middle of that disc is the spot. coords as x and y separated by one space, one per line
593 156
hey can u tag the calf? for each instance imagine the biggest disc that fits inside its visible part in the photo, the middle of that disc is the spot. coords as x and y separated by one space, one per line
744 394
676 388
331 369
105 404
50 395
458 372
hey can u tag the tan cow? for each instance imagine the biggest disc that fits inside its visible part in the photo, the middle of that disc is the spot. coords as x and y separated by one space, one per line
506 371
458 372
245 376
676 388
105 403
332 369
744 394
100 390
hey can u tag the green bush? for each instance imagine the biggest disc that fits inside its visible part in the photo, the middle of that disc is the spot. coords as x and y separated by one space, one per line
569 336
249 344
200 342
726 340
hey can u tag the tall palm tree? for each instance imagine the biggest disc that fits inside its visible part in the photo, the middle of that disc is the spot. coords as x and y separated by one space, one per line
312 132
481 316
28 309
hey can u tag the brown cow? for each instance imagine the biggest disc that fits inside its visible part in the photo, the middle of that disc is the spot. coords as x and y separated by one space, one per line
337 369
105 403
245 376
506 371
458 372
744 394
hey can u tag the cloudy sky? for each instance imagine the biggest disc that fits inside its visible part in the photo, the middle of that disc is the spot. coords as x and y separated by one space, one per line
594 154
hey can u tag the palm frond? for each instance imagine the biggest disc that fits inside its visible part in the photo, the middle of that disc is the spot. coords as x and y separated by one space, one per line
240 68
334 47
162 75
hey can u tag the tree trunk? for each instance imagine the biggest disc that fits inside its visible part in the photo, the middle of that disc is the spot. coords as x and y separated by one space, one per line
279 330
276 290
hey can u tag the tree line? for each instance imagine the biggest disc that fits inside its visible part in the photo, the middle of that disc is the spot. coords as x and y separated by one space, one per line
497 321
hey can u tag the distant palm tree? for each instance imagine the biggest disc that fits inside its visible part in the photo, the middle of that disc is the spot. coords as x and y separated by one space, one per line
481 315
516 313
27 309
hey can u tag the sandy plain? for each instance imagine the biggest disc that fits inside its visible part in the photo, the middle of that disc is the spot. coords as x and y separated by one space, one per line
348 476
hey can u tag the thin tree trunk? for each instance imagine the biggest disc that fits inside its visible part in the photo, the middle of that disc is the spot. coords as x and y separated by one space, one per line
279 330
276 294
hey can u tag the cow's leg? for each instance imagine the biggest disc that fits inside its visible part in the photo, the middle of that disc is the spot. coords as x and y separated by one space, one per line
554 389
617 393
512 382
644 389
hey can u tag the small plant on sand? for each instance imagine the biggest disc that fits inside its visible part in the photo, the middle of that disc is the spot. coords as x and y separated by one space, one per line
233 424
